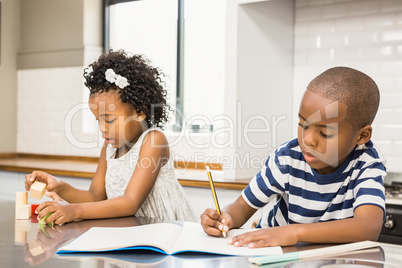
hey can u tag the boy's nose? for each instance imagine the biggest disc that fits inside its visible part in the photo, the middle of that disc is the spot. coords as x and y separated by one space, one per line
308 138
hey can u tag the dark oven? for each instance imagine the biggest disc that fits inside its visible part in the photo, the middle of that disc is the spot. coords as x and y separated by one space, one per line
392 228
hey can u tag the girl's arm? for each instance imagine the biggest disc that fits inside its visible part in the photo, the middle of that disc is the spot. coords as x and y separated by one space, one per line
153 154
69 193
97 189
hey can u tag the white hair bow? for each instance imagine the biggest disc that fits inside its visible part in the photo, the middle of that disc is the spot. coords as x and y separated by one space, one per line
119 80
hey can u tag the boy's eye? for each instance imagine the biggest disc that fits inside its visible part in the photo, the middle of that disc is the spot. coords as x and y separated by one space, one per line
109 121
303 126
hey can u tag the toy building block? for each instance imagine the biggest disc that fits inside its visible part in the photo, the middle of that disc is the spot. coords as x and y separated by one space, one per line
22 209
37 190
21 198
33 208
23 212
35 248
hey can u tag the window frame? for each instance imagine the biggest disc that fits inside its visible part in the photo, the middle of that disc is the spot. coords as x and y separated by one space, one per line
178 126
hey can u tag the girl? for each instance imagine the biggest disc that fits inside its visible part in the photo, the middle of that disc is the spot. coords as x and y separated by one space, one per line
135 175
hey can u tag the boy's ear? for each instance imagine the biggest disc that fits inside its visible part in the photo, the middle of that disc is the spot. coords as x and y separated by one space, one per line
364 135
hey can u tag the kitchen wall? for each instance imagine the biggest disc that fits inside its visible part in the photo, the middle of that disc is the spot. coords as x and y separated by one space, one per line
49 101
364 34
58 38
60 33
9 32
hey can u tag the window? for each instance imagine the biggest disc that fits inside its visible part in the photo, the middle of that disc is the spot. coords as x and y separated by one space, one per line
186 40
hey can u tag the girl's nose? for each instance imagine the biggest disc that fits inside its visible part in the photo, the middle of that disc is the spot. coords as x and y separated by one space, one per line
102 128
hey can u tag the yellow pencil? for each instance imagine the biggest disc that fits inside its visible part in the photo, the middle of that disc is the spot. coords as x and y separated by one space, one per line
211 182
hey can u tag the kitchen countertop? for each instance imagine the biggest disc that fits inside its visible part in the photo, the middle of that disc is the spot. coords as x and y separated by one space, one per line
85 167
19 238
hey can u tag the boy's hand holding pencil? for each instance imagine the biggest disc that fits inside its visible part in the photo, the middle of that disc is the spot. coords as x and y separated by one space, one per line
213 221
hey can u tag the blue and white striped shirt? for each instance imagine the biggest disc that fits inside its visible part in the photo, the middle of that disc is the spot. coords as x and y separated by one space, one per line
307 196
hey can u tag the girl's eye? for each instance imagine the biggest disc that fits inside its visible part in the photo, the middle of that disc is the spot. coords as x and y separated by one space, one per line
109 121
327 136
303 126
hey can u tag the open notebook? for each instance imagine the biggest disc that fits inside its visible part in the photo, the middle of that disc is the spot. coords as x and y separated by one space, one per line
167 238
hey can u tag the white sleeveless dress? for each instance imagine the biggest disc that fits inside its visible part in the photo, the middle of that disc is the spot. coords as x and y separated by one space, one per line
166 200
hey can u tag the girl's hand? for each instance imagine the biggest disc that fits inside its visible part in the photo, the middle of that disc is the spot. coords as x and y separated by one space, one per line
213 223
52 183
61 210
54 196
267 237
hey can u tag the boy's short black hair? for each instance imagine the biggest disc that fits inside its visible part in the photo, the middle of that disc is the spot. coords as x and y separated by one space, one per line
355 89
145 93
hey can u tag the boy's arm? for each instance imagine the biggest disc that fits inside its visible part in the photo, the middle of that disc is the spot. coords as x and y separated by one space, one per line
365 225
239 211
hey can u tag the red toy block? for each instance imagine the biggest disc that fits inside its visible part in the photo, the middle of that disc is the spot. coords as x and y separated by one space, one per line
33 208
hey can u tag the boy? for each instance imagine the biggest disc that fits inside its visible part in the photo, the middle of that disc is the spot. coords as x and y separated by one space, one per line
329 179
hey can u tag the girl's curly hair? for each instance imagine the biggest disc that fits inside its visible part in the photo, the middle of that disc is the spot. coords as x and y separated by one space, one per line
146 91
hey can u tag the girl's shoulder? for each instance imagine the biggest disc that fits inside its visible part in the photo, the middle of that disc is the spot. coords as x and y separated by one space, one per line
154 144
154 136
